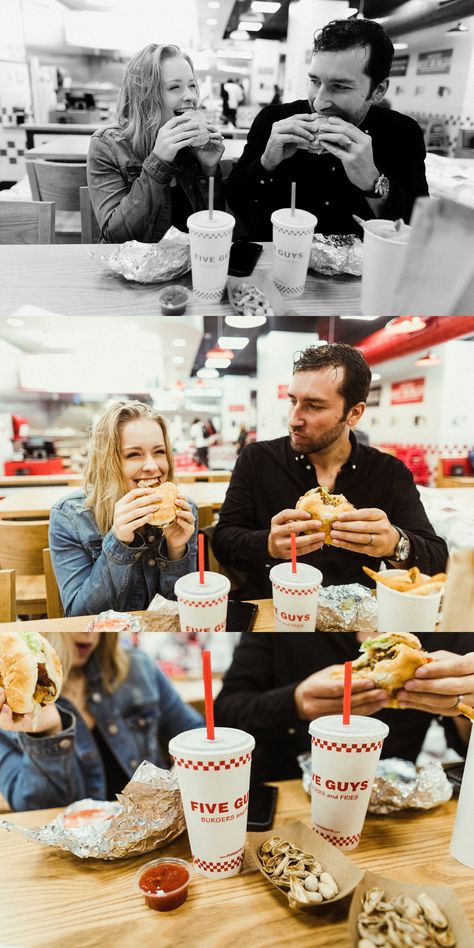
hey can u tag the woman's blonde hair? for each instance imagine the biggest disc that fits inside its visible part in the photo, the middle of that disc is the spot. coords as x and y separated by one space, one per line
140 109
114 662
104 480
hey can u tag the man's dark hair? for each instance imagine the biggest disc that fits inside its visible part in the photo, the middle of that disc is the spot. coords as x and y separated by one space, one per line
347 34
355 384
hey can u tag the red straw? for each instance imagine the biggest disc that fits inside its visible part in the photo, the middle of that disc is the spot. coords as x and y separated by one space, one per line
209 707
346 706
293 552
201 557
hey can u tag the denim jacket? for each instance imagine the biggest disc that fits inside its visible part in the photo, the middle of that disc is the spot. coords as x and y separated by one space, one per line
131 200
96 572
38 772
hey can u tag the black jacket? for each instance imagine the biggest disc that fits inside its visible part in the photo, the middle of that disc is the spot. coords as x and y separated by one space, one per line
258 696
269 477
322 185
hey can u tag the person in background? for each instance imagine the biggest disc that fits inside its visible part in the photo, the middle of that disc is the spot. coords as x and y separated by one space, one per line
144 174
199 435
276 95
105 552
326 401
115 710
277 684
242 439
372 162
235 97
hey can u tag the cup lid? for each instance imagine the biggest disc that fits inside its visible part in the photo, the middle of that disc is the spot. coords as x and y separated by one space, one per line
300 218
330 725
305 574
215 584
219 219
228 740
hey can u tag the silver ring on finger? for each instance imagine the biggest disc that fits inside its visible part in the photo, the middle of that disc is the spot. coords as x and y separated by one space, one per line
459 700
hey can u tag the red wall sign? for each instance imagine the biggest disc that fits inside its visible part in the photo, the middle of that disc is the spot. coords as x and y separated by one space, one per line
236 408
282 391
407 392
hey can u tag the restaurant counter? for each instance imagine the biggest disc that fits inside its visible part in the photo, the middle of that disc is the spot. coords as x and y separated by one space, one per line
54 898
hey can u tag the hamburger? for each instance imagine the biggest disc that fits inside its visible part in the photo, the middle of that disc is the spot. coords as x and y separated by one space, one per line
165 495
202 134
389 660
324 506
314 147
30 671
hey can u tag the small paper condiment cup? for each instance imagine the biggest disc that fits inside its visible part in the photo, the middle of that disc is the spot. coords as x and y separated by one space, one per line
165 901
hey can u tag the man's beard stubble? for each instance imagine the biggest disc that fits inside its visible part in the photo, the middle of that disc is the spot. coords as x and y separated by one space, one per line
325 441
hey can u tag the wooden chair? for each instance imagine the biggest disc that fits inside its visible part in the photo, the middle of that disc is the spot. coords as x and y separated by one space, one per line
205 516
54 605
59 182
90 230
7 595
27 222
21 548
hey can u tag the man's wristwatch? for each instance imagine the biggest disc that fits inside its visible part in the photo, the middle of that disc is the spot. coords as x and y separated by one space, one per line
403 548
379 189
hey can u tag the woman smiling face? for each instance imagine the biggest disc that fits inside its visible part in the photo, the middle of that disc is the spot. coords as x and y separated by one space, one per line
179 86
85 643
143 453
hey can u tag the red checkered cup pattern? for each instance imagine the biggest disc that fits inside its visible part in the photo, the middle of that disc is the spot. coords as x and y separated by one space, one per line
292 242
214 779
295 597
202 607
344 759
210 242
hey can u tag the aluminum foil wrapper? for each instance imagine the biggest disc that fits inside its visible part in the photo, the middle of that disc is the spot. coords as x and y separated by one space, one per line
337 253
350 608
148 815
398 785
111 621
152 263
161 616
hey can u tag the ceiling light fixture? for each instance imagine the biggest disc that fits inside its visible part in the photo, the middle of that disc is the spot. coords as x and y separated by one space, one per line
239 35
213 5
459 28
179 343
400 46
177 360
406 324
264 6
211 22
245 322
428 359
217 363
218 353
250 26
376 376
233 342
207 373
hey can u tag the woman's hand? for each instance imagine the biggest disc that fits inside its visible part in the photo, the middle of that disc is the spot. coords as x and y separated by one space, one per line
210 154
179 533
47 719
323 694
437 685
176 134
132 512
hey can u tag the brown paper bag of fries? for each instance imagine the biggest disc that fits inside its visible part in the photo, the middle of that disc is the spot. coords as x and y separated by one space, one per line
458 606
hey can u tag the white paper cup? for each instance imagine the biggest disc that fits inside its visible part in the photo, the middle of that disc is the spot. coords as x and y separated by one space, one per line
202 607
210 242
344 759
381 267
292 241
214 779
295 597
404 612
462 840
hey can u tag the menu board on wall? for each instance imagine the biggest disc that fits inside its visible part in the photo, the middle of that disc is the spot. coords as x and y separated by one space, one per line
407 392
373 398
399 65
434 63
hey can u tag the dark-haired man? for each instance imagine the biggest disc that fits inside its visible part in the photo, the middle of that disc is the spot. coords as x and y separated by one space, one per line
327 397
372 164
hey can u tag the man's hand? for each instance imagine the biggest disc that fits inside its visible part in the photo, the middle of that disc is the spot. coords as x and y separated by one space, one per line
285 138
366 531
353 147
285 523
320 694
438 684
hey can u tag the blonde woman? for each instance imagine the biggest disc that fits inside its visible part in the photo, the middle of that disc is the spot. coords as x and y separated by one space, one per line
116 709
144 173
105 552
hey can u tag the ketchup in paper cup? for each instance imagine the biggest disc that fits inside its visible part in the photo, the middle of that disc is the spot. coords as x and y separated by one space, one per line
164 883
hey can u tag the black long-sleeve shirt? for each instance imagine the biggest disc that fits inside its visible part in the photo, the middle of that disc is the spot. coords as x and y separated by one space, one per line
322 186
269 477
258 696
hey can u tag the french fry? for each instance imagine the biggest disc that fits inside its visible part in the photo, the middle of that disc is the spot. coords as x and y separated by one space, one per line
410 581
466 710
428 589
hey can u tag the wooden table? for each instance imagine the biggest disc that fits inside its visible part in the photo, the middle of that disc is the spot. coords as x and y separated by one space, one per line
54 898
24 502
58 128
40 480
71 280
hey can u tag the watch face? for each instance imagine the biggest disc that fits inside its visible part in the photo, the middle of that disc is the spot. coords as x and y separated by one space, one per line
403 549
